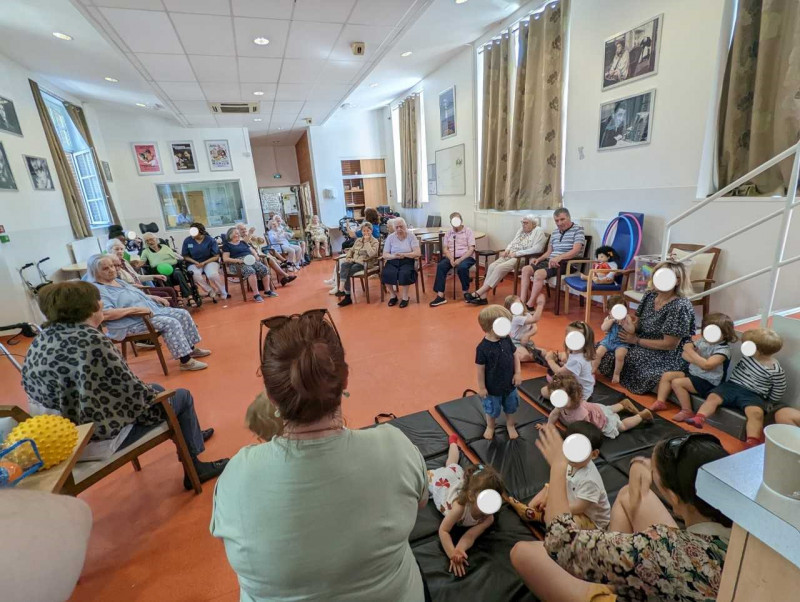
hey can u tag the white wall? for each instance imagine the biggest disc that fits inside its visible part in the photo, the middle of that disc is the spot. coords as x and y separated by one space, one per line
36 221
350 134
270 159
136 197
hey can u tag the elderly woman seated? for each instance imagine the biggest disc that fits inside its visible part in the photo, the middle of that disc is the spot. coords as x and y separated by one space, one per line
280 242
319 236
128 274
355 260
155 254
293 240
124 306
256 243
400 250
202 254
234 253
66 371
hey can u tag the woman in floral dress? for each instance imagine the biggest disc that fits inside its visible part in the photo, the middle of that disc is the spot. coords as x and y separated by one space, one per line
644 555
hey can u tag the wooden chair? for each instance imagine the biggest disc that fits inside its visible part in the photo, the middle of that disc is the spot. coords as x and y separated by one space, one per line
591 288
417 268
228 277
372 267
86 474
152 336
522 261
701 276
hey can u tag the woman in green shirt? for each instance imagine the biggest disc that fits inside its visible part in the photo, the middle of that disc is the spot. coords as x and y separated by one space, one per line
317 511
154 254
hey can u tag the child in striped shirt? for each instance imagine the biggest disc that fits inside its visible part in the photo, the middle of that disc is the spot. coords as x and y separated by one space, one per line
756 382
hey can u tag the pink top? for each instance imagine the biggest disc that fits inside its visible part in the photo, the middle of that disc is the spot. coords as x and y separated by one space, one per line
586 411
464 239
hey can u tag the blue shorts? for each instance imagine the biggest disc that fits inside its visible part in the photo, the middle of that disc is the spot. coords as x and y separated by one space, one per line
737 397
613 344
701 385
492 404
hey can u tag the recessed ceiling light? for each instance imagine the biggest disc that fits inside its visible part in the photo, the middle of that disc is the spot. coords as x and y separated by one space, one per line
141 104
258 93
374 85
407 53
257 119
460 1
261 41
113 80
61 36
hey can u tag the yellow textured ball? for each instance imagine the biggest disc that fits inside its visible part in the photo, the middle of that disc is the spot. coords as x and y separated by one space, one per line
55 438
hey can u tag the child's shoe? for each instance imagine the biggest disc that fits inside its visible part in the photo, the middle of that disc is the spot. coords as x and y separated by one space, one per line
752 442
659 406
646 415
683 416
696 421
629 406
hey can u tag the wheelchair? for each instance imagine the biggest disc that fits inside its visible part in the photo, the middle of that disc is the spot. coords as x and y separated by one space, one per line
180 277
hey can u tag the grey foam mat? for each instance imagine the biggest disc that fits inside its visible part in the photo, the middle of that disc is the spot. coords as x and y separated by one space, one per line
423 431
466 416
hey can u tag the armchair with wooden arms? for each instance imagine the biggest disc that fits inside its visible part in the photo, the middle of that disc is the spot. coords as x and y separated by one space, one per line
417 269
86 474
524 260
228 277
371 267
152 336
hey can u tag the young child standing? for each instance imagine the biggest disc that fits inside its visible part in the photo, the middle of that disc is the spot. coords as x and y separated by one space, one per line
523 327
455 493
606 418
611 342
588 500
707 366
754 383
499 372
606 260
576 362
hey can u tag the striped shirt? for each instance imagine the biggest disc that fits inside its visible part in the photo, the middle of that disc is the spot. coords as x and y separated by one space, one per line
562 242
768 382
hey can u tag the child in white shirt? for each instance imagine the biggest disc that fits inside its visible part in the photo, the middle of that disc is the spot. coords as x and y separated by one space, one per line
523 327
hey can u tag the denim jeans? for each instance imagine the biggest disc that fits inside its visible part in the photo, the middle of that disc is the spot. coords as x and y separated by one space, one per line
443 269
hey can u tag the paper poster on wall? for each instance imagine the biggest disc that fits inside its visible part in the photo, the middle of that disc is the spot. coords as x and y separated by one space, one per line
148 163
447 112
39 172
183 157
632 54
7 181
431 178
219 155
451 179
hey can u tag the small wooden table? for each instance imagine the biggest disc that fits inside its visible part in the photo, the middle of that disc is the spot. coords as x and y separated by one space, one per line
75 267
53 479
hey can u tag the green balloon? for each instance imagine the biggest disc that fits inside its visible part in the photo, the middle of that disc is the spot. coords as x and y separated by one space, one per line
126 256
164 269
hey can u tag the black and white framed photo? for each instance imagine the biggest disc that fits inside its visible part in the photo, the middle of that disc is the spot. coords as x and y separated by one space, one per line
447 112
39 172
107 171
184 159
219 155
7 181
627 121
632 54
9 122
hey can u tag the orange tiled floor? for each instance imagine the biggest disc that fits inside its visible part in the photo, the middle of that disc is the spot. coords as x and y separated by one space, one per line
150 539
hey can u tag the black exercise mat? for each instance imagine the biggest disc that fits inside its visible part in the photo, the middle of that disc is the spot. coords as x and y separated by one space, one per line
429 518
642 437
423 431
466 416
490 575
613 478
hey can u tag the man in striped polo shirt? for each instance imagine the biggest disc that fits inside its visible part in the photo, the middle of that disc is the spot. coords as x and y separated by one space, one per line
755 383
565 243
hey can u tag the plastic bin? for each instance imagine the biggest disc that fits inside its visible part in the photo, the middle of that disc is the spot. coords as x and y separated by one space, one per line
644 270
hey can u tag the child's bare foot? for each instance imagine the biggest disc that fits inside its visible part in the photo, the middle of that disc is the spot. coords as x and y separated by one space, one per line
628 406
488 433
512 432
615 378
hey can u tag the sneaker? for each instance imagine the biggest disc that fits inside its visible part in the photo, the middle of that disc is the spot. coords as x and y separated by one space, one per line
346 300
467 297
258 298
271 294
197 352
333 291
329 282
438 301
340 293
403 303
193 365
478 301
205 471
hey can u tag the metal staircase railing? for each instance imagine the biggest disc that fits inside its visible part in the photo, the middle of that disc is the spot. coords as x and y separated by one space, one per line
790 202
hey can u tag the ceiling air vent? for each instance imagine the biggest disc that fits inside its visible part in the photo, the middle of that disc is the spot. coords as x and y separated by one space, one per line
234 107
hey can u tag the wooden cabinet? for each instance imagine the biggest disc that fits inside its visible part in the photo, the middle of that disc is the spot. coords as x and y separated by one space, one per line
364 182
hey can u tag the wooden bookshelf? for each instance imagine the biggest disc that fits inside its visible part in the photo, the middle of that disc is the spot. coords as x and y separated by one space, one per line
364 182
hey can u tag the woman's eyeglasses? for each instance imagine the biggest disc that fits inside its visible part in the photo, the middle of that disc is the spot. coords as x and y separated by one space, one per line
676 444
278 322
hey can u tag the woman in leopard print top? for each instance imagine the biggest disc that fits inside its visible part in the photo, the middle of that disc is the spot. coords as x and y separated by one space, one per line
73 369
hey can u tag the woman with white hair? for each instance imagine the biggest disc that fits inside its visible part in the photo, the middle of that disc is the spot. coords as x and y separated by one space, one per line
279 240
319 236
530 239
400 250
156 254
126 273
304 259
124 306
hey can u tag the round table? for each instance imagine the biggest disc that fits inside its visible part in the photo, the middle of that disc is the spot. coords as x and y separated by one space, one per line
425 233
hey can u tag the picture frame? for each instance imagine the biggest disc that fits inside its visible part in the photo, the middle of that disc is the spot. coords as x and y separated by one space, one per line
447 112
218 154
431 178
451 179
7 181
184 159
39 172
107 171
633 126
9 122
633 54
148 161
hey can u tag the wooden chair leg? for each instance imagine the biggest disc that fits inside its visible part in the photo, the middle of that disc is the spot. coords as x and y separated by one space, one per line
124 350
160 353
566 301
133 348
365 282
588 301
136 466
416 288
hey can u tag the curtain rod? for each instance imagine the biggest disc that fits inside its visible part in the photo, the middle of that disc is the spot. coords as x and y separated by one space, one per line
516 24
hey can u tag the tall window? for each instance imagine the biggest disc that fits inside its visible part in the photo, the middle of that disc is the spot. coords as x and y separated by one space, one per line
81 161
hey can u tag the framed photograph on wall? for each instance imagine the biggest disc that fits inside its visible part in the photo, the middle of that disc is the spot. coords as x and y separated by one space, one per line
9 122
447 112
632 54
39 172
627 121
148 163
7 181
107 171
219 155
183 158
451 178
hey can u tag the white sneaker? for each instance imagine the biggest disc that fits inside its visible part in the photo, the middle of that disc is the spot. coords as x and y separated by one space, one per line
197 352
334 290
329 282
193 364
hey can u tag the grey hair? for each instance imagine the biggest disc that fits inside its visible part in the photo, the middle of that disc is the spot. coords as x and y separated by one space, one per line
113 242
561 211
530 217
362 225
148 235
231 231
93 265
397 220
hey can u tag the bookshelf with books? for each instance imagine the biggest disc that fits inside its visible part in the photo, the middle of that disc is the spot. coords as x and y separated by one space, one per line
364 182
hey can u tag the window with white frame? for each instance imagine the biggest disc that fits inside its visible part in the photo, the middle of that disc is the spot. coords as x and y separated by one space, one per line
82 162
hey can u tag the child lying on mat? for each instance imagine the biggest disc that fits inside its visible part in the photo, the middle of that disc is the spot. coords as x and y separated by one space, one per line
523 327
606 418
576 362
455 493
707 364
611 342
588 500
755 383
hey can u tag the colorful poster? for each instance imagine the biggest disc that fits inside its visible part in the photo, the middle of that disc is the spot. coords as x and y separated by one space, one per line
219 155
148 162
